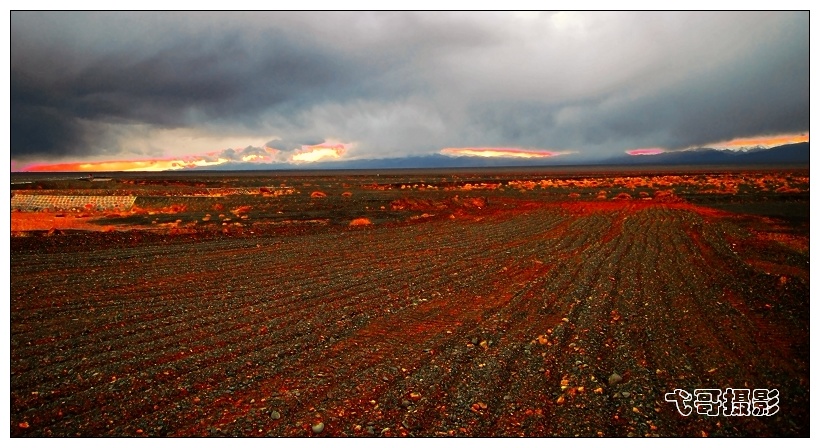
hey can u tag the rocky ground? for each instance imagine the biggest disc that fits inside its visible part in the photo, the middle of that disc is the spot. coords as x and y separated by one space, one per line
504 310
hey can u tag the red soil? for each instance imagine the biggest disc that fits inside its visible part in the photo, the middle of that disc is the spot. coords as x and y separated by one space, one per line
508 320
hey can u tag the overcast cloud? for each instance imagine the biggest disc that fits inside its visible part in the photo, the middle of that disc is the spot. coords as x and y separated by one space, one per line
96 86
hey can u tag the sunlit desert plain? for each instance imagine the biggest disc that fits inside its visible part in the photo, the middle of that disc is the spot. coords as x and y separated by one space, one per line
483 302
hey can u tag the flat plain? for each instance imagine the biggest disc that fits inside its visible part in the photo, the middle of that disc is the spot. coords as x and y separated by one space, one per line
518 302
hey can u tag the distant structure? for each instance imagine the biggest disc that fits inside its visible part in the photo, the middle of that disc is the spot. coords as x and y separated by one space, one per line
91 178
42 202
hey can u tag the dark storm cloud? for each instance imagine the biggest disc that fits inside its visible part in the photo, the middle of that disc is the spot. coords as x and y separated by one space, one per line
89 84
762 90
193 78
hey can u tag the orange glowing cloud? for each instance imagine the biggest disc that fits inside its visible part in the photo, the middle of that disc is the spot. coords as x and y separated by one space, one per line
125 165
764 141
501 152
308 153
314 153
253 158
645 151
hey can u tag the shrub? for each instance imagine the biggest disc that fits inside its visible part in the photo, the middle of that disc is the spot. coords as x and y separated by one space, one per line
361 222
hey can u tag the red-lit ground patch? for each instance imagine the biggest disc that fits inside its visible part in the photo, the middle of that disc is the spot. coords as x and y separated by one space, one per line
29 221
500 315
360 222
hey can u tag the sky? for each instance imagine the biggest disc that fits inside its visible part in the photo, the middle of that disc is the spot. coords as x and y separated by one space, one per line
166 90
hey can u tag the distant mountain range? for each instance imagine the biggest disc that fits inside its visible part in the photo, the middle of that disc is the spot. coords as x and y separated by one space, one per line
793 154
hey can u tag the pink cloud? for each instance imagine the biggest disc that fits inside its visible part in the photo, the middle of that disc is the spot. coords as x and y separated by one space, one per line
501 152
645 151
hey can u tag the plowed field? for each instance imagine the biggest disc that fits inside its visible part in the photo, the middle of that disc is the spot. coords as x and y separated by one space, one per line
526 314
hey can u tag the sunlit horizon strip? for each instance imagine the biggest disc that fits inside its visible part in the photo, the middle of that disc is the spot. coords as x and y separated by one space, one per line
502 152
335 150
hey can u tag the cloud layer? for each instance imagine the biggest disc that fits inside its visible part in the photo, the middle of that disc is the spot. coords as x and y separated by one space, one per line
125 85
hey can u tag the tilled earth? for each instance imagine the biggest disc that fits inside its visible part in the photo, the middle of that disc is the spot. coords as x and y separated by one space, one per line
533 318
